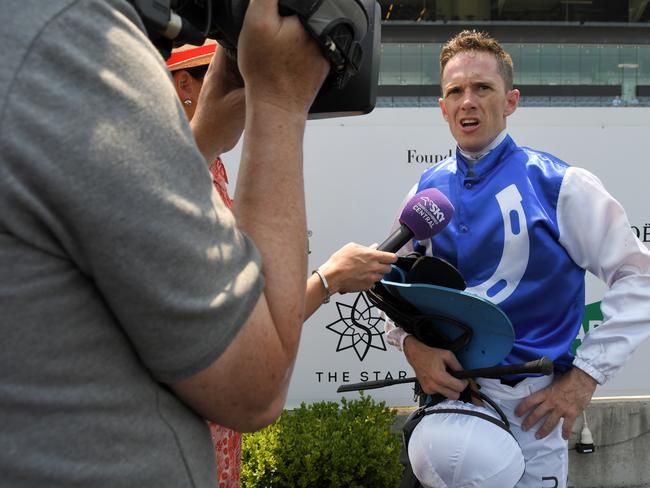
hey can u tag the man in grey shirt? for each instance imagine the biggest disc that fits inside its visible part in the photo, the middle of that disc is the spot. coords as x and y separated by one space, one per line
133 304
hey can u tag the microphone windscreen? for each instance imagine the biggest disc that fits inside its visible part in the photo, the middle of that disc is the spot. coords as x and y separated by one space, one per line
427 213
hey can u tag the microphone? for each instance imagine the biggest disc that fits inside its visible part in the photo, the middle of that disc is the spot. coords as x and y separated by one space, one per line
425 215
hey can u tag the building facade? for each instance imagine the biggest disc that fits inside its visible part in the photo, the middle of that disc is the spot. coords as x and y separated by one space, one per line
566 52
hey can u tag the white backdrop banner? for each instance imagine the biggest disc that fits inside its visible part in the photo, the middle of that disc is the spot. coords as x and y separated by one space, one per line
357 173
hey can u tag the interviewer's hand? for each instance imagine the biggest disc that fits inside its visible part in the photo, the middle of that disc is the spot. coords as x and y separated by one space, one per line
565 398
219 118
430 365
351 268
281 64
356 268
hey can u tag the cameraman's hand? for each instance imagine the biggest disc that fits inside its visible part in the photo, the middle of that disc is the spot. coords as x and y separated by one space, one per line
280 63
219 118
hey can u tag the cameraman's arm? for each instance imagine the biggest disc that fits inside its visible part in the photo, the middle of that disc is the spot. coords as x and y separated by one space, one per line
219 118
246 387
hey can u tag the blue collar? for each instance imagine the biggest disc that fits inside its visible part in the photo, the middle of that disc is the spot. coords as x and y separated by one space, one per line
486 164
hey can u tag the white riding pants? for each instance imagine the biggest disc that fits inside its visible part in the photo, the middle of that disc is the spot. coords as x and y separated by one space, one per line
547 459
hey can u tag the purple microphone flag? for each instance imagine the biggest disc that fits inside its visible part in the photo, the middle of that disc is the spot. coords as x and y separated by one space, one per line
427 213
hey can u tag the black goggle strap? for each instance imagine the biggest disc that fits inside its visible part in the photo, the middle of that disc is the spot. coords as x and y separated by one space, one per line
383 301
425 327
493 404
415 418
472 413
422 325
502 422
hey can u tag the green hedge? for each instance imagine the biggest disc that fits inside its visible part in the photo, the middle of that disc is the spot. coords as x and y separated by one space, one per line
325 445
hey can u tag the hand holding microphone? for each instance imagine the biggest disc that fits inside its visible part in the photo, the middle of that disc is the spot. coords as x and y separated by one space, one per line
424 216
357 268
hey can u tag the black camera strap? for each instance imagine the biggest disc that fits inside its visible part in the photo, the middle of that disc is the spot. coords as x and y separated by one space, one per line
338 26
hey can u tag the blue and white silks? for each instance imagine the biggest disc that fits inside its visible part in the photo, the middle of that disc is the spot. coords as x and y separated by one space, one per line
526 227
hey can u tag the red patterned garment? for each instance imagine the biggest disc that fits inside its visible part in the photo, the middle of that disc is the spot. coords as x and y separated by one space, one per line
227 443
220 180
227 448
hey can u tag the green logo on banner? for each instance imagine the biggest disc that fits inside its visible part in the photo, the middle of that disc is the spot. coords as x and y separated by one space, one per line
593 318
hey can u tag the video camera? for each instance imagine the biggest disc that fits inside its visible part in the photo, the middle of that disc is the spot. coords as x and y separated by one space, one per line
348 32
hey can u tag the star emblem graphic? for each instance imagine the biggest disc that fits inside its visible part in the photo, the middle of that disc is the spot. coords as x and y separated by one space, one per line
358 327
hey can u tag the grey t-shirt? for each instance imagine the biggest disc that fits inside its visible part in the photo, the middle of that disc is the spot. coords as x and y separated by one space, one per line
120 268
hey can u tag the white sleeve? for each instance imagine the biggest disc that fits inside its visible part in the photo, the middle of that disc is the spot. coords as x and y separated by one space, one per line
596 233
395 335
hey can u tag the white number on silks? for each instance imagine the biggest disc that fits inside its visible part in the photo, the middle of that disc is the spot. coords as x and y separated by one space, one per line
516 250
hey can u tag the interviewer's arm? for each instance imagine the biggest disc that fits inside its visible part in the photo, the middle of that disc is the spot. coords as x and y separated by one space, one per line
352 268
246 387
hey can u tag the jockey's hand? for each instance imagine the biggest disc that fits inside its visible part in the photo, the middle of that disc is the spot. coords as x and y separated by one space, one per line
565 398
431 365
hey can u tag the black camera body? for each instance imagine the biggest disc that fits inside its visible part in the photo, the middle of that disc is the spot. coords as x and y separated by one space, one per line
348 32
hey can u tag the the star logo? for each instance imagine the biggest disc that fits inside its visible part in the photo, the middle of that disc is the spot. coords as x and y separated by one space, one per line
358 327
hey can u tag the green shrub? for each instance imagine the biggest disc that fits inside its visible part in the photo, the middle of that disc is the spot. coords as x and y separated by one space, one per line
323 445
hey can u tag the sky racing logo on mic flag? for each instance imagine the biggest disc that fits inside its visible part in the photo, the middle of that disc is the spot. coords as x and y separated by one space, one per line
429 211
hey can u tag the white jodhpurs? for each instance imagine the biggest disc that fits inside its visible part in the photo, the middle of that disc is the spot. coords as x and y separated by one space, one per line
547 459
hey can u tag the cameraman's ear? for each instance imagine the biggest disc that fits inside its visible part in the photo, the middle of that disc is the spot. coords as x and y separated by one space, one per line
183 84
